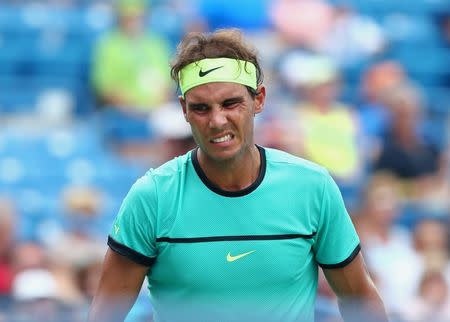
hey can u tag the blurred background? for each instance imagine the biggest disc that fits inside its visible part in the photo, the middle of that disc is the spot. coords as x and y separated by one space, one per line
87 106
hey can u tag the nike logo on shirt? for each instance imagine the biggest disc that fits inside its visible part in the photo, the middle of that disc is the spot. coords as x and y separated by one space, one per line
231 258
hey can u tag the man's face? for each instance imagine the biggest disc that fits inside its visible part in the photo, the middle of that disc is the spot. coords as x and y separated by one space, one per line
133 23
221 117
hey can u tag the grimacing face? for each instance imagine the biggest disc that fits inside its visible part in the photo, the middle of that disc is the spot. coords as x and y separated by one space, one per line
221 116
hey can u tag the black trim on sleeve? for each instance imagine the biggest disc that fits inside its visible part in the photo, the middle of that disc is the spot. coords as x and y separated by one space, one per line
240 193
130 253
344 262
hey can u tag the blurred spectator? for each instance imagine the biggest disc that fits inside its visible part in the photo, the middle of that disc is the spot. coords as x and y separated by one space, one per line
130 75
431 241
88 276
352 38
374 114
82 207
443 22
339 32
405 152
302 23
29 255
329 130
131 66
432 302
432 194
174 139
7 228
76 272
35 292
444 26
33 284
388 247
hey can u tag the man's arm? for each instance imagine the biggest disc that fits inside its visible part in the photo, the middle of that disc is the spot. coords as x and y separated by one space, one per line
120 283
358 297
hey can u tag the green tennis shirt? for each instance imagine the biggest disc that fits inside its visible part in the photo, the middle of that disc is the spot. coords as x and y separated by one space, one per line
249 255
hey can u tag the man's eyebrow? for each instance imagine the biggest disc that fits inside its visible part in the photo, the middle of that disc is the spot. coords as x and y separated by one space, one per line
196 105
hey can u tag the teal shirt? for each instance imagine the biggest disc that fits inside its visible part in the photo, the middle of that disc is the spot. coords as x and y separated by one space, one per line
249 255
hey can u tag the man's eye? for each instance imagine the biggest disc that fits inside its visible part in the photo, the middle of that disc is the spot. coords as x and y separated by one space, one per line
199 108
230 104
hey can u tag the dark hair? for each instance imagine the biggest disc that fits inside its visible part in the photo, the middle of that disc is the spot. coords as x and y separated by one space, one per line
227 43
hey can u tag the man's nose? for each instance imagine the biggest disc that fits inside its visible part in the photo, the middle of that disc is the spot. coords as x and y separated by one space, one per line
217 118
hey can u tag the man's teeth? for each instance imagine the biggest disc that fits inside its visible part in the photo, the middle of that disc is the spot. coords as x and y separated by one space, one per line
222 139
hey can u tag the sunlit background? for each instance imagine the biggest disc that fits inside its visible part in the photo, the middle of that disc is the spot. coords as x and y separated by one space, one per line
87 106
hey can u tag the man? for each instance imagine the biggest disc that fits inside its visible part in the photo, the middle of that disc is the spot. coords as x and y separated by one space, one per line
230 231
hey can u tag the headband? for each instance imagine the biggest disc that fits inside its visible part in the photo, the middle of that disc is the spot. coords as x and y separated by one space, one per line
210 70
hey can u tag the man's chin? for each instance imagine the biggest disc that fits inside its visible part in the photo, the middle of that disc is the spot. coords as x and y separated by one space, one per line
220 155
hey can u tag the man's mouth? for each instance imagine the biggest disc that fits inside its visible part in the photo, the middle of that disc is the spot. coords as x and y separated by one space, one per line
221 139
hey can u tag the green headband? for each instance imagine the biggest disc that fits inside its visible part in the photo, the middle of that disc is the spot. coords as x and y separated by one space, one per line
210 70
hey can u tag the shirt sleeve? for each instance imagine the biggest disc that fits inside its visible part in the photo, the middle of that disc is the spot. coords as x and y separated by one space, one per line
336 243
133 232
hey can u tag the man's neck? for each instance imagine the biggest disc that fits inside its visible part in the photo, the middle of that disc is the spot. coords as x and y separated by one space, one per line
232 175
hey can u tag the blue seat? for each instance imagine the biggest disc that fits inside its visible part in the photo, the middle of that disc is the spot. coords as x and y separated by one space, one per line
405 6
17 101
65 58
417 29
20 94
10 16
91 21
350 93
429 65
248 15
12 52
439 101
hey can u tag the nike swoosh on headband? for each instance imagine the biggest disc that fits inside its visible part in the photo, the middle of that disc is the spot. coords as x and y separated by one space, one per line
204 73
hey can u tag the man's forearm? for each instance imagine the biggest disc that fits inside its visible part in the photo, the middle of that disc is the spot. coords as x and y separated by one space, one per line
110 309
358 297
362 309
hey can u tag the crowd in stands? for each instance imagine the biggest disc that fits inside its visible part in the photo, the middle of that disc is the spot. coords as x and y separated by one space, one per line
87 106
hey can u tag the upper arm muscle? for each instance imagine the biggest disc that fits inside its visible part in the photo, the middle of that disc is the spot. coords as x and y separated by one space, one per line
350 280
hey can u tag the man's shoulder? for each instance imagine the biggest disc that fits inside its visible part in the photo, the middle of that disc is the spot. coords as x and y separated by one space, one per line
274 156
172 167
165 173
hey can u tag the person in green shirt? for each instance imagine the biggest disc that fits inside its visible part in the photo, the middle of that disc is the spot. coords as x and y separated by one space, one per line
130 65
231 231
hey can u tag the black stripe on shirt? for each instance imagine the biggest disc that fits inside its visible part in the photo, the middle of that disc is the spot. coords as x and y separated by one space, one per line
344 262
130 253
232 238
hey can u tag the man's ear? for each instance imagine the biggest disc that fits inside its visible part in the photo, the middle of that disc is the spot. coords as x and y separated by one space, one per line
260 99
183 106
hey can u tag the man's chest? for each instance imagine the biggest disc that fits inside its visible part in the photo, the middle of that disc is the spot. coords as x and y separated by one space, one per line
235 244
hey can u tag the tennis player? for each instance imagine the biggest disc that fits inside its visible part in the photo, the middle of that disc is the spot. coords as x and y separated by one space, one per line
231 231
